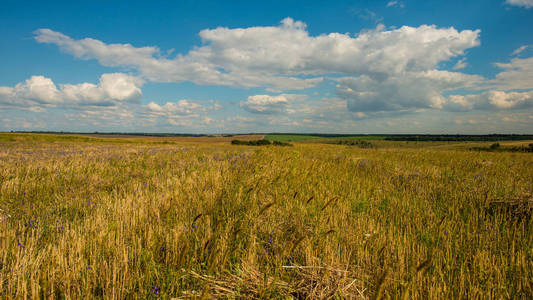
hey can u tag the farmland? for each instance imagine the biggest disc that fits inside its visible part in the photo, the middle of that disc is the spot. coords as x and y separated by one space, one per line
138 218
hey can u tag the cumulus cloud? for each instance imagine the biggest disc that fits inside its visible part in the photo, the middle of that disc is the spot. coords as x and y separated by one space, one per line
181 107
407 92
112 103
517 74
39 90
378 72
279 57
288 49
265 104
490 100
269 104
199 65
523 3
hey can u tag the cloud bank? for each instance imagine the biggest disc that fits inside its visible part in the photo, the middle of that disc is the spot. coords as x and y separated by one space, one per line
491 100
382 72
283 57
39 90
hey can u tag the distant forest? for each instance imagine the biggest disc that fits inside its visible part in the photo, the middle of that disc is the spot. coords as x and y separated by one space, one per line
460 138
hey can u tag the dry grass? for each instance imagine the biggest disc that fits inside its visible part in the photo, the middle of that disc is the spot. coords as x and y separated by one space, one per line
183 139
142 220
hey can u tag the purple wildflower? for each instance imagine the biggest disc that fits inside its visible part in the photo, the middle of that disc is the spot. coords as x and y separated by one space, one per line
154 290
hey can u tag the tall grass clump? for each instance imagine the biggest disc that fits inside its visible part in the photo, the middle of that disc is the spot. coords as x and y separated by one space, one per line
312 221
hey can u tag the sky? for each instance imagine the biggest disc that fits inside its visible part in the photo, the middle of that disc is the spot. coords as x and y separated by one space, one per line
353 67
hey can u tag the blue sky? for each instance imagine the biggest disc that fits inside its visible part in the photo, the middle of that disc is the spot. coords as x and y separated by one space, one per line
270 66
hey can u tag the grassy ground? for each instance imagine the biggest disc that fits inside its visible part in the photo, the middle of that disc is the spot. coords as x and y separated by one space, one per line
119 139
152 220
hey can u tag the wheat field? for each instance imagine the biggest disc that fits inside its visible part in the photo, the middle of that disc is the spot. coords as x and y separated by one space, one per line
133 219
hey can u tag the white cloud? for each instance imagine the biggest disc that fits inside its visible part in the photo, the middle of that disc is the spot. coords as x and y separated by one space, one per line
406 92
112 103
268 104
121 87
461 64
106 54
383 72
517 74
136 117
412 91
288 49
198 66
181 107
491 100
520 49
39 90
523 3
277 57
265 104
395 3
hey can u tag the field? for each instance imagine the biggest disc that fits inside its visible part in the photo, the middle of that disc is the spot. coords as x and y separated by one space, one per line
149 218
